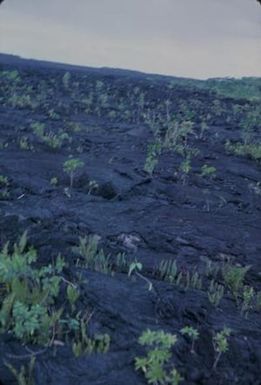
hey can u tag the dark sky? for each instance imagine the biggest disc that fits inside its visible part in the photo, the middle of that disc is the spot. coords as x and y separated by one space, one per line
195 38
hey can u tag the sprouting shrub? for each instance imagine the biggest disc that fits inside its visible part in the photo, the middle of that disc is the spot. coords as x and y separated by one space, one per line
70 166
28 298
215 292
220 343
192 280
51 139
208 171
4 184
3 144
20 101
38 128
24 143
168 270
94 258
185 168
135 268
88 247
156 365
249 150
249 121
192 333
84 345
93 186
66 80
55 140
177 133
121 261
203 128
11 75
28 320
234 277
3 181
74 126
72 295
153 152
52 114
150 118
54 181
255 188
28 294
212 269
247 300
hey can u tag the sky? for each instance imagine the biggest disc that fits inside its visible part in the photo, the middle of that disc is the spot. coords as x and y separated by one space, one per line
190 38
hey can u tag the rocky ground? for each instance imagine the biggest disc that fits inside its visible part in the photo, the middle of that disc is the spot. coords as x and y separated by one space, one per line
204 224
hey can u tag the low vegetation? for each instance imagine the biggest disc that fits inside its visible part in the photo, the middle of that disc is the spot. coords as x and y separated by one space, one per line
163 208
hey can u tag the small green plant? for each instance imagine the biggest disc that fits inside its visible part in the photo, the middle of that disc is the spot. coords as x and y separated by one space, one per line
72 295
215 293
191 280
208 171
4 193
28 294
177 133
70 166
3 145
24 144
212 269
156 364
25 375
192 333
3 181
93 185
203 129
75 127
255 188
234 277
249 150
20 101
88 247
4 184
135 268
28 302
11 75
38 129
196 281
51 139
66 80
185 168
150 119
217 107
220 343
54 181
168 270
27 320
94 258
53 114
84 345
121 261
153 152
248 297
248 123
55 141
